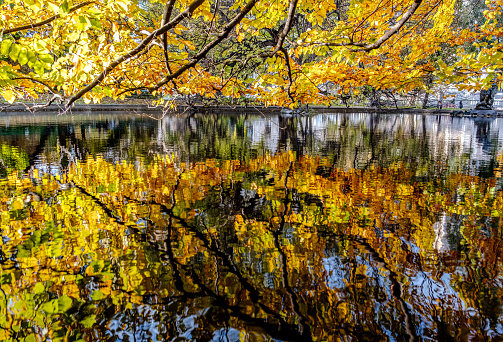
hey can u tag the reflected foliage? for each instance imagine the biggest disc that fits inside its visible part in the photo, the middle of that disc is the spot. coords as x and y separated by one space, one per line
12 159
280 246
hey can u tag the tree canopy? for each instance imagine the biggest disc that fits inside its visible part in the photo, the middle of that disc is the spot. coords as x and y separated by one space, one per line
282 52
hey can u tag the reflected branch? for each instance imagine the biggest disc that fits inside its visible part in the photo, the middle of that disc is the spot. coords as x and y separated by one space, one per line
305 329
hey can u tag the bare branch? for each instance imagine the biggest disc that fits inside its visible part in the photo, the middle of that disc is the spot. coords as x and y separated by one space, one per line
39 107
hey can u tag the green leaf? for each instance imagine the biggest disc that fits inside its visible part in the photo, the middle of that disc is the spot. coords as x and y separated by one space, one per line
39 68
14 51
64 303
50 307
351 58
94 11
5 278
97 295
89 321
59 305
20 305
31 56
40 46
95 23
30 338
64 7
22 58
38 288
83 23
5 47
46 58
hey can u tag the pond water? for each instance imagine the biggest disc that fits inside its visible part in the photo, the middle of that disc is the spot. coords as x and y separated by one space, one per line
341 227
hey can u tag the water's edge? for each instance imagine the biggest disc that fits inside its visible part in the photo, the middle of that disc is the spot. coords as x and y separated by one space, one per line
55 109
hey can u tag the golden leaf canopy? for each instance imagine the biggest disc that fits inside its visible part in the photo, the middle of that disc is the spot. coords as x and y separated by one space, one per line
282 52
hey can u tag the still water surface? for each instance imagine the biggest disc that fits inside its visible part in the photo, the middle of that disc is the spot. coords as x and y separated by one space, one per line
343 227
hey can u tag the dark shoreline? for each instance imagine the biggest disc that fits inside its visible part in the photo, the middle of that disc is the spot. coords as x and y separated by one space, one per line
182 109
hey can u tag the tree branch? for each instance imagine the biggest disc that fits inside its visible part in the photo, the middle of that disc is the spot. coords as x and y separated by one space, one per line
227 29
46 21
289 68
394 29
165 17
144 43
364 20
286 29
36 81
387 35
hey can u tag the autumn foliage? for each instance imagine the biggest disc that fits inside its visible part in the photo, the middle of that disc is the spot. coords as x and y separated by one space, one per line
103 240
279 52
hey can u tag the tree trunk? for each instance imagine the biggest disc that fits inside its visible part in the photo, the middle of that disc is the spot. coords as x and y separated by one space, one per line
425 100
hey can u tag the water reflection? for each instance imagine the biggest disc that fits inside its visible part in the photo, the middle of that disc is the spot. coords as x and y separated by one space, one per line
216 228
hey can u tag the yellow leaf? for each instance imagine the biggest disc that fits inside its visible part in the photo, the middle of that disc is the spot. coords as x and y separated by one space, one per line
9 96
18 204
